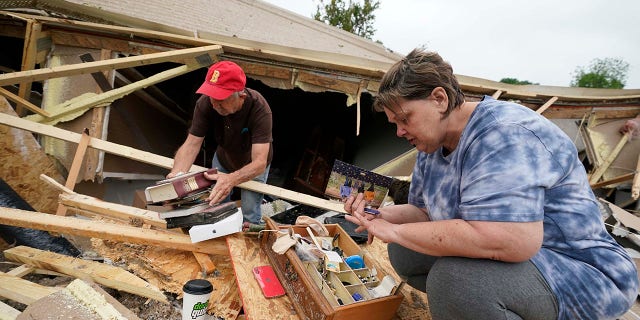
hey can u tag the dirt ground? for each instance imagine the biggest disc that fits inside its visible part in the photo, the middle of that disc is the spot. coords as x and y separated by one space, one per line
143 307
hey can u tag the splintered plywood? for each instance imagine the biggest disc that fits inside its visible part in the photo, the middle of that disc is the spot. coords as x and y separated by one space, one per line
170 269
603 139
246 254
22 163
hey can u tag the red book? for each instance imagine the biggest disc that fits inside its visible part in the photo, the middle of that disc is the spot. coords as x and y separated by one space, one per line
179 187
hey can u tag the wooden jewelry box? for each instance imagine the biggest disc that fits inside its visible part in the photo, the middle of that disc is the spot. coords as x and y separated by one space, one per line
320 294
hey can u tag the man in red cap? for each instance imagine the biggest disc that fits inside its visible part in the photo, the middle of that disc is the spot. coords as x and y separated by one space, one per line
241 121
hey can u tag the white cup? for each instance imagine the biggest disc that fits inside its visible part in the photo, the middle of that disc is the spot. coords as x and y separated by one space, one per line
196 299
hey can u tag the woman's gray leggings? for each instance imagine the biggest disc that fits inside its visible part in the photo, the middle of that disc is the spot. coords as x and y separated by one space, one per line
465 288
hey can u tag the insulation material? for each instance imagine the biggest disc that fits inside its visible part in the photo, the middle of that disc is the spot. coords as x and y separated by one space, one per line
59 90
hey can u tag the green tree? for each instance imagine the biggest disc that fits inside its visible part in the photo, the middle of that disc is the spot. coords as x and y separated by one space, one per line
349 16
515 81
602 73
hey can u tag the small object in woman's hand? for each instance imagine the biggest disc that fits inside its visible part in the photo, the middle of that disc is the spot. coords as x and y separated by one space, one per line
371 211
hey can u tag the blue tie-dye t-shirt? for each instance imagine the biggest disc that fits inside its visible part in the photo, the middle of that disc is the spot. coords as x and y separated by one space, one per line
512 164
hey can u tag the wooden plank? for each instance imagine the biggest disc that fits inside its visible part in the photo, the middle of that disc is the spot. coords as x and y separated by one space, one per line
23 291
110 64
20 101
164 162
618 179
92 41
612 156
7 312
109 231
246 254
21 270
104 274
635 186
496 94
132 215
29 52
77 106
329 82
546 105
72 177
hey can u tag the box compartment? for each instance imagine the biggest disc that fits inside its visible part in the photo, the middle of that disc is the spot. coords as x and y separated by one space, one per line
335 295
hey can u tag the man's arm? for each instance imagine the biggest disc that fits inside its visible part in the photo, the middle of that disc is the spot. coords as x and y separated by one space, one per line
186 155
226 182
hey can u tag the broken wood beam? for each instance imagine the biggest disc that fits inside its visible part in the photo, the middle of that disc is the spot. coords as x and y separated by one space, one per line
546 105
104 65
109 231
635 186
20 101
164 162
23 291
78 105
113 210
7 312
618 179
612 156
29 52
104 274
72 177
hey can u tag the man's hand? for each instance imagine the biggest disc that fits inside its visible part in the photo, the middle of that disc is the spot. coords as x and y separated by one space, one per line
222 188
174 174
354 206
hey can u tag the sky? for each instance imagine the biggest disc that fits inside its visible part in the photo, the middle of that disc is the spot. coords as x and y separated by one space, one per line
541 41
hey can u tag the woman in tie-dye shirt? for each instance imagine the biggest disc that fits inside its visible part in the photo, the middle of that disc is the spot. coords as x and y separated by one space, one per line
501 221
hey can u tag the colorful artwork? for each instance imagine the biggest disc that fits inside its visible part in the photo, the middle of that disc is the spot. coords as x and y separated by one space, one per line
347 179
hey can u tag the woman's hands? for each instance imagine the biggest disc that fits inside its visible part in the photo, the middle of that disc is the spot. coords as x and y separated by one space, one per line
354 206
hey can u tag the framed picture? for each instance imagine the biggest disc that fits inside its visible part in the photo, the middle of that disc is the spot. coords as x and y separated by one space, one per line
347 179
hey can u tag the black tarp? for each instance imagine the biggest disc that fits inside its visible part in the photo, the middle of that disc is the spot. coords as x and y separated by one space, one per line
38 239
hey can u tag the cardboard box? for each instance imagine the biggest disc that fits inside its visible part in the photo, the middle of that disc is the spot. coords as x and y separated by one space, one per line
325 295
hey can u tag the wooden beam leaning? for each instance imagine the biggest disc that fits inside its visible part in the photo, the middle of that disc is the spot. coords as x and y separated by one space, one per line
163 162
635 186
546 105
109 231
29 52
612 181
23 102
90 67
612 156
78 106
72 177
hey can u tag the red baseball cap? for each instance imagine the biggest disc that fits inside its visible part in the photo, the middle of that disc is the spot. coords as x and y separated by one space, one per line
223 79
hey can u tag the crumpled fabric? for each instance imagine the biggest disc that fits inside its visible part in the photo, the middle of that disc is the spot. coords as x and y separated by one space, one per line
318 227
283 243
